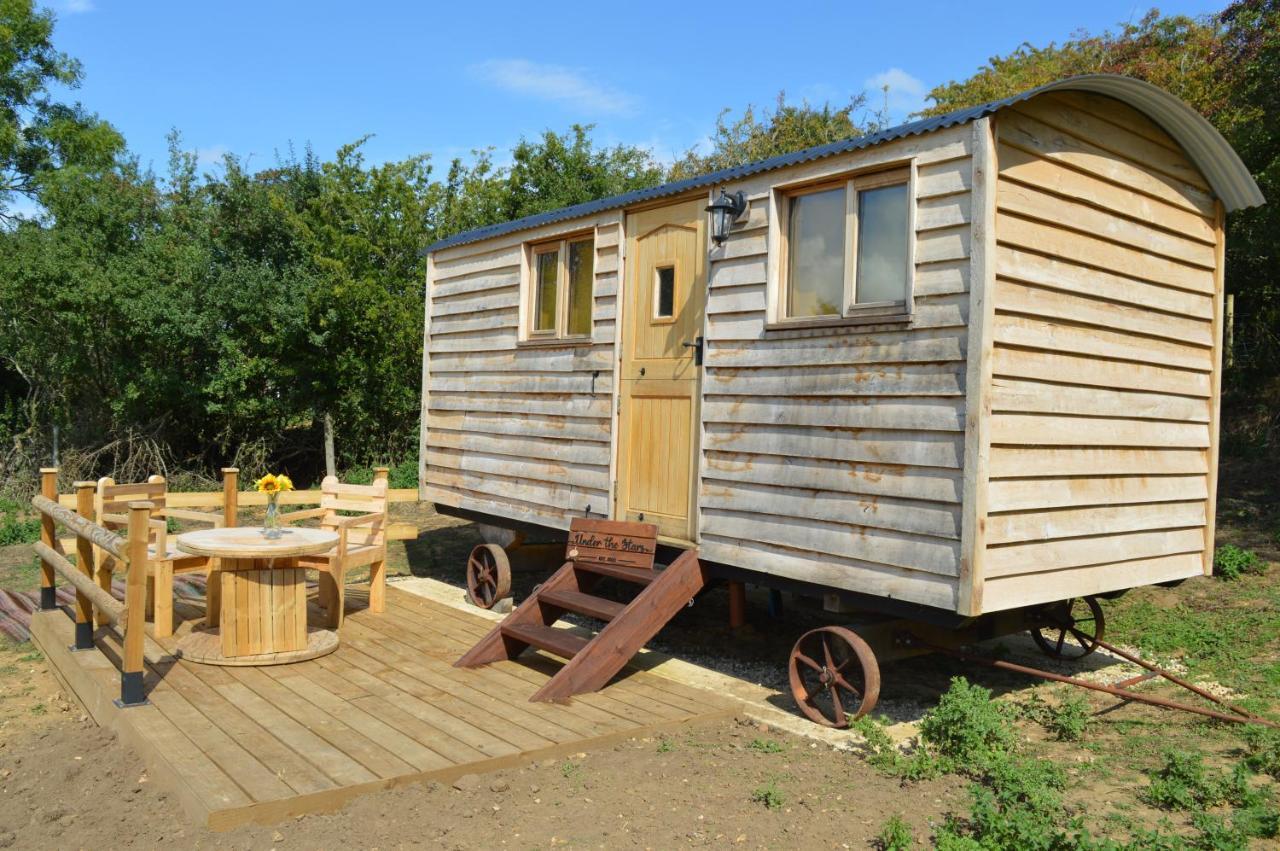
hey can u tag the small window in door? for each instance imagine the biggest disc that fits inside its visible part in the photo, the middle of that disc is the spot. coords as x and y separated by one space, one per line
665 293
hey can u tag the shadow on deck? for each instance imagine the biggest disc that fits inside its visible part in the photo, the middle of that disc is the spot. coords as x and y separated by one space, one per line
261 744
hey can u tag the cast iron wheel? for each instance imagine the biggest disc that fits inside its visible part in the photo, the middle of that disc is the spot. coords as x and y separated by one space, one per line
488 575
1079 618
834 676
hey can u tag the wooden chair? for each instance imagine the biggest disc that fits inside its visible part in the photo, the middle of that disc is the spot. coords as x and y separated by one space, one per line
362 539
111 505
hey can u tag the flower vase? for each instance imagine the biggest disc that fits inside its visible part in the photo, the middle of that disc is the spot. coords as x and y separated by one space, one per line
272 523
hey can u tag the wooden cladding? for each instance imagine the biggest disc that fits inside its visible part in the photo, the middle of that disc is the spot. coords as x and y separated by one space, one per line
1103 389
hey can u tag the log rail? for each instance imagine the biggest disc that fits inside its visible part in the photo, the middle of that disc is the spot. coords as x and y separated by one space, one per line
129 553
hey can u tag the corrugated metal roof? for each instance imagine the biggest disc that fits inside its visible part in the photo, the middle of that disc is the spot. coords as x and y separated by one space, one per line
1210 152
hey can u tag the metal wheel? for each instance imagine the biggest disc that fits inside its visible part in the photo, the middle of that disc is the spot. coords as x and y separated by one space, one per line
1069 630
834 676
488 575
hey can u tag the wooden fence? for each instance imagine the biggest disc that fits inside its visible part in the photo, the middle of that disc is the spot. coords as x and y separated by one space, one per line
130 553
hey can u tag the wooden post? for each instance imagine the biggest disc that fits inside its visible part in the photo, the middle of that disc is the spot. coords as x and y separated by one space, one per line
85 562
230 496
737 604
135 603
381 474
49 490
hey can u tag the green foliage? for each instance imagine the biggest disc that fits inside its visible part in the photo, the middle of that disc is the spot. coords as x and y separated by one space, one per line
770 795
1070 719
788 128
1262 749
766 746
666 744
1183 783
38 134
1231 562
14 528
967 728
895 835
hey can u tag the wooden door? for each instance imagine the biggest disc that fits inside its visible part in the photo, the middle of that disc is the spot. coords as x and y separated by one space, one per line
666 285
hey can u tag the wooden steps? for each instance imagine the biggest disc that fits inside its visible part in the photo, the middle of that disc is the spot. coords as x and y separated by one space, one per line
597 549
561 642
582 604
634 575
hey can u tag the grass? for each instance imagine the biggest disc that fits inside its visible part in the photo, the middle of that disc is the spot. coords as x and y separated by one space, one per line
15 526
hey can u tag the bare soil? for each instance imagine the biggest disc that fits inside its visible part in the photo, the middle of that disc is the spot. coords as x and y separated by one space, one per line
70 784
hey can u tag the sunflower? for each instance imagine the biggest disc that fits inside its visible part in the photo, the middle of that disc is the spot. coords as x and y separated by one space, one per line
284 482
269 484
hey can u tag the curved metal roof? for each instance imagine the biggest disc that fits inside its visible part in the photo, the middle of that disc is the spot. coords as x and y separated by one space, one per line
1216 159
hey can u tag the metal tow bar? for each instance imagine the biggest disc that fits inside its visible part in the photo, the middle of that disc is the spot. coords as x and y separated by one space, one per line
1235 715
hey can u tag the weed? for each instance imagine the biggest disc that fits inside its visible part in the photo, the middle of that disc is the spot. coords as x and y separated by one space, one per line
1231 562
39 709
967 727
895 835
1184 783
569 769
1262 752
33 656
666 745
1069 721
770 795
766 746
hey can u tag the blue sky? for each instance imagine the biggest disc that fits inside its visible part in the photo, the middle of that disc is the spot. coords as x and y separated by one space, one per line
250 78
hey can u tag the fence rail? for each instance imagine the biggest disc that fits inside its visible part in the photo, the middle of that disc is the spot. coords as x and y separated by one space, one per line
129 618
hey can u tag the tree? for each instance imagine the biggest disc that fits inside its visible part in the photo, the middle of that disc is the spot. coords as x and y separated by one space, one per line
1226 66
788 128
39 135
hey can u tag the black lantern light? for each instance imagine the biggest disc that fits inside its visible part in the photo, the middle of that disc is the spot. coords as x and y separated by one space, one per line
723 211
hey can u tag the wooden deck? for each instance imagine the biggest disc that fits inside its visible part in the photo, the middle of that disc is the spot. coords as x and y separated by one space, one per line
239 745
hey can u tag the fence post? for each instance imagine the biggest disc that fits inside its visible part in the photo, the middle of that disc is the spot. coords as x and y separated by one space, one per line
230 496
381 473
135 606
84 561
48 588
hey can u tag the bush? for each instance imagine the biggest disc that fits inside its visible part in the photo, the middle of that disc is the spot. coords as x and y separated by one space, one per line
1231 562
895 835
13 528
1070 719
967 728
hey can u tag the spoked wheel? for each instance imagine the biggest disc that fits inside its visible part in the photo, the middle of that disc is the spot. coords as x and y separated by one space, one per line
834 676
488 575
1069 630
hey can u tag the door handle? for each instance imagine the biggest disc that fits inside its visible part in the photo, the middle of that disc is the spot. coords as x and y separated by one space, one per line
696 345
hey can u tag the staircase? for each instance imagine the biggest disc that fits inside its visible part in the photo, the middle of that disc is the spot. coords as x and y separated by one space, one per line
598 549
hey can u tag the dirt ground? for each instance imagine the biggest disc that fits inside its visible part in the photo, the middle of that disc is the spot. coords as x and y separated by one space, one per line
65 783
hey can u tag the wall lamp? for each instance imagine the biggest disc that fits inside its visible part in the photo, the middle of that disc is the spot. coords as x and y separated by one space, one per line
723 211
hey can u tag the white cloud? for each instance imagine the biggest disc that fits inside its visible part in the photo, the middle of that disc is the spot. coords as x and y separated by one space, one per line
76 7
211 155
554 83
906 93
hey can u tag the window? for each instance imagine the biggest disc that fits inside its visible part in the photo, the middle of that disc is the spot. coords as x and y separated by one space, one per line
561 275
664 295
846 247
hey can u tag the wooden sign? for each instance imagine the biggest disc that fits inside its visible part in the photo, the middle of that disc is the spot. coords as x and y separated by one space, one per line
612 542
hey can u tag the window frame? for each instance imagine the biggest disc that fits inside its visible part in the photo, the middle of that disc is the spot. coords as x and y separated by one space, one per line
530 333
853 312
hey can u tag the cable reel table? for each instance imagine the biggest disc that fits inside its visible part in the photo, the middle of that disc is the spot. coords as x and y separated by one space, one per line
257 597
